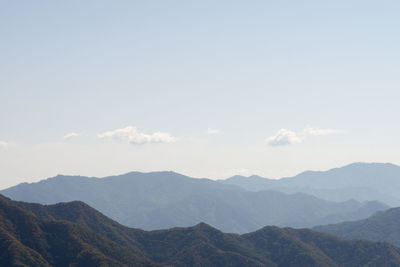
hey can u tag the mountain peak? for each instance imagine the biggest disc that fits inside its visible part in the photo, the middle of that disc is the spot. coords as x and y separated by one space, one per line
369 165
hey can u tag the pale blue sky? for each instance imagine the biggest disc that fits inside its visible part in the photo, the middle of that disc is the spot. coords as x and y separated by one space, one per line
246 68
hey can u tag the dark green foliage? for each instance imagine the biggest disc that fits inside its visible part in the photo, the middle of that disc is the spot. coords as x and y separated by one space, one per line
31 240
74 234
383 226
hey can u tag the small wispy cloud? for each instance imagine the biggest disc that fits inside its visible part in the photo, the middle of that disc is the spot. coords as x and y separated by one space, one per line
213 131
286 137
71 135
3 144
131 135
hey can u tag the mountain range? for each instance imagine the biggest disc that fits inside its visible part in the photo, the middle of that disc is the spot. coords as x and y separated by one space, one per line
359 181
74 234
160 200
383 226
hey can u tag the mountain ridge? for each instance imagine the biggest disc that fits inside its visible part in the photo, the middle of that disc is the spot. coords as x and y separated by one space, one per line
382 226
85 237
162 200
361 181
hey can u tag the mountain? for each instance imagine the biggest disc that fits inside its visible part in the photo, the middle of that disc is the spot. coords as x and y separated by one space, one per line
74 234
160 200
359 181
28 240
383 226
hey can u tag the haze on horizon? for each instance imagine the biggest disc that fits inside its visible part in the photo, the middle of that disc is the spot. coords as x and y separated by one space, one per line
207 89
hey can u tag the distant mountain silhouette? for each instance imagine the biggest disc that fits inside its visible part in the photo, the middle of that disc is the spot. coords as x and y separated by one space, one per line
162 200
383 226
359 181
74 234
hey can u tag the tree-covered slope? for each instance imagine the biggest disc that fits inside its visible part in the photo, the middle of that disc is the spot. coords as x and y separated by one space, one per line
383 226
30 240
74 234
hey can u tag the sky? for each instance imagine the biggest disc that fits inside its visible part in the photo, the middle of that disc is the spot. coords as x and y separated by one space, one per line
203 88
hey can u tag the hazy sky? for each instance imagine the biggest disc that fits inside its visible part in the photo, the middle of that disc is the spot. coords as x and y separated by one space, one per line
205 88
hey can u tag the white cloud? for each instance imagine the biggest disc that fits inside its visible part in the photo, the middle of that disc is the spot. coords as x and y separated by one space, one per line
319 131
3 144
213 131
70 135
284 137
131 135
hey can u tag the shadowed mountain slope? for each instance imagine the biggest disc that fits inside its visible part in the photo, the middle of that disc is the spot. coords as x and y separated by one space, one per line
383 226
74 234
30 240
162 200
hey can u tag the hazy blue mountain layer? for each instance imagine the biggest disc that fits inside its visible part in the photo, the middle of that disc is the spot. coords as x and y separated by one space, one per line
166 199
359 181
